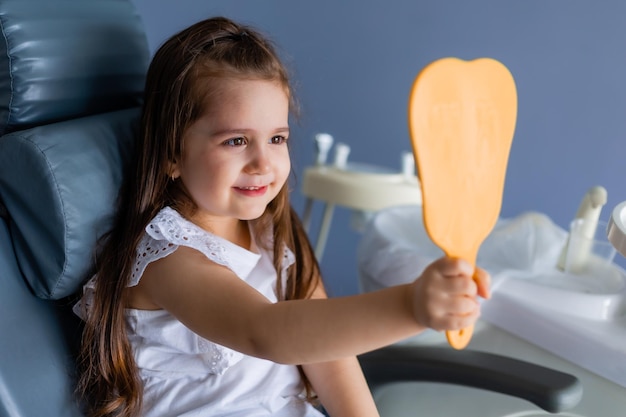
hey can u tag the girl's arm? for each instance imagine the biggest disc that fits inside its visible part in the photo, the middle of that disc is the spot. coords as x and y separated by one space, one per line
341 388
217 305
340 384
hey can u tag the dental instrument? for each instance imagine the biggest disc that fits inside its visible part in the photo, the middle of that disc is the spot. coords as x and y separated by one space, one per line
578 246
323 143
408 165
342 151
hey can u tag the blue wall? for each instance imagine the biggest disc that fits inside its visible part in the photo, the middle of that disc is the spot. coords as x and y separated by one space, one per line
354 62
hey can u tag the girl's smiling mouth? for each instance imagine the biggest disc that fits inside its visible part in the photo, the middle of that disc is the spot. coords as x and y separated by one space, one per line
252 191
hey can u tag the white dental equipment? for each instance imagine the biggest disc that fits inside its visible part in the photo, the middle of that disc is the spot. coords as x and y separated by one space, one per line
577 249
342 151
361 187
408 165
323 143
616 230
579 318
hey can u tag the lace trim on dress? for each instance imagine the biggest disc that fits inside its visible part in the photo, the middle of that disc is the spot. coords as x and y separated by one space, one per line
216 357
164 234
169 230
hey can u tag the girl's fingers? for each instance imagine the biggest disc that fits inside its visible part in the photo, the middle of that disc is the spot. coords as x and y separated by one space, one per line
463 314
450 267
453 308
483 282
446 294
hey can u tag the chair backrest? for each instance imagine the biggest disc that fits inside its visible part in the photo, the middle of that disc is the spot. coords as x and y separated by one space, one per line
71 80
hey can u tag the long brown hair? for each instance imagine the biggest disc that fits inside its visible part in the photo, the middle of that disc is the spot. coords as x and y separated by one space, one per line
209 50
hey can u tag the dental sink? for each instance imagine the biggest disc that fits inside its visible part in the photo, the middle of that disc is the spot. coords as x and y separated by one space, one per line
598 295
586 328
580 317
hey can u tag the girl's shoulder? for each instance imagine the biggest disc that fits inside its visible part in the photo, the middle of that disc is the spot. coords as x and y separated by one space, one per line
169 230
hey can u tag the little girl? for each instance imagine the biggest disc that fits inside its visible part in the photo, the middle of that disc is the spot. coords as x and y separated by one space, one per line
207 299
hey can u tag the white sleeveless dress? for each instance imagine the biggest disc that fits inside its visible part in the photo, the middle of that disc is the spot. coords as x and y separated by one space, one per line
186 375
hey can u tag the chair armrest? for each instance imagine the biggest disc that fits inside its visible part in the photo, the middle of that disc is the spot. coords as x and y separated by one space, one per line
552 390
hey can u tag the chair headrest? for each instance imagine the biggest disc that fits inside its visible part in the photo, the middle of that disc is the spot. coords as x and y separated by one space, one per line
65 59
59 183
72 76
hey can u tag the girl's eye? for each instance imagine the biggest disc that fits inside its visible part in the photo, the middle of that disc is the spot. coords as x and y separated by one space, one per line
277 140
235 142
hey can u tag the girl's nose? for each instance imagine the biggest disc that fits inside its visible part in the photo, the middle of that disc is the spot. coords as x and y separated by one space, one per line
259 162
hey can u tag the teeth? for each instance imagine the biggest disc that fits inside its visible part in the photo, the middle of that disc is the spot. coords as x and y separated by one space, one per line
249 188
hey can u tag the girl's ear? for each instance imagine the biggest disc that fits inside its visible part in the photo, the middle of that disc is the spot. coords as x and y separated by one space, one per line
173 170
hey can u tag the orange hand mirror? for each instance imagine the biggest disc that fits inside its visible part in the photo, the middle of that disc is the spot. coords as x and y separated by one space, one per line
461 119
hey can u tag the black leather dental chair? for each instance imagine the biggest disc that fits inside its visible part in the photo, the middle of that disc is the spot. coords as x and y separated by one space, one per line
71 80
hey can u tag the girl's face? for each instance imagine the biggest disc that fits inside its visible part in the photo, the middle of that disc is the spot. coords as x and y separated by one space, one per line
235 158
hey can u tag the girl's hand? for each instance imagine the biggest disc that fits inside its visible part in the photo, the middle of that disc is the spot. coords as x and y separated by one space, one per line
444 297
